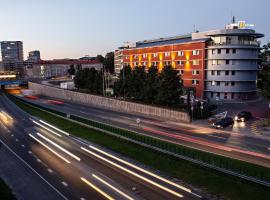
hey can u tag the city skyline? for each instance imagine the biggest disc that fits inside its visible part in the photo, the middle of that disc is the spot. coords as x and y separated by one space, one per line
72 29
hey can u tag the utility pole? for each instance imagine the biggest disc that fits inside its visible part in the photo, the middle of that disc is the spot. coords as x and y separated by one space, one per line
103 81
124 82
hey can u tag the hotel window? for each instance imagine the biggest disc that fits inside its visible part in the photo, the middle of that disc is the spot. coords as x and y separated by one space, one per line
180 62
234 51
195 52
155 55
233 73
227 73
226 83
232 83
213 51
218 83
227 51
225 95
213 83
219 51
232 95
195 62
218 94
144 55
233 62
214 62
195 72
167 54
181 71
144 63
218 73
136 56
127 57
219 62
227 62
195 82
153 63
180 53
212 72
212 94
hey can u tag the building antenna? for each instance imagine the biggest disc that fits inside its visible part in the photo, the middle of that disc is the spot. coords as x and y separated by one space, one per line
194 28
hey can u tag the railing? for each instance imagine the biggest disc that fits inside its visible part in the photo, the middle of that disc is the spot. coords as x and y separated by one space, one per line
248 43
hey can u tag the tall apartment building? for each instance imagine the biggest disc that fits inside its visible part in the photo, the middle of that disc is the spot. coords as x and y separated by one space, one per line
216 64
12 55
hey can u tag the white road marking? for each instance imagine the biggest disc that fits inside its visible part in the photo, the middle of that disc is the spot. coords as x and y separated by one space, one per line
17 140
34 171
22 145
50 170
64 183
30 152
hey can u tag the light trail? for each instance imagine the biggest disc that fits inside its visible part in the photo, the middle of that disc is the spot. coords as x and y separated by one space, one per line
142 170
47 128
47 147
57 129
7 115
97 189
112 187
133 173
59 147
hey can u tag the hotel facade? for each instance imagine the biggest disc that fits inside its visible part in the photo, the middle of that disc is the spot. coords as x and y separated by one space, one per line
217 65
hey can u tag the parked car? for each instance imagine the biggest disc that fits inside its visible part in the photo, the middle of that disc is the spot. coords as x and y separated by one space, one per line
243 116
227 121
212 107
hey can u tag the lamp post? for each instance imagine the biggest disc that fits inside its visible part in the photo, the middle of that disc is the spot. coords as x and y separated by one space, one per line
201 107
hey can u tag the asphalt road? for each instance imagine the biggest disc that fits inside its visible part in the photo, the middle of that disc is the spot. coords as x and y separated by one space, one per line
71 169
225 142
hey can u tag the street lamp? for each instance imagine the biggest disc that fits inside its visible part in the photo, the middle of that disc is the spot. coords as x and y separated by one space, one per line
201 107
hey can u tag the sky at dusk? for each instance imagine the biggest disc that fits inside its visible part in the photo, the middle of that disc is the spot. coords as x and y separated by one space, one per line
74 28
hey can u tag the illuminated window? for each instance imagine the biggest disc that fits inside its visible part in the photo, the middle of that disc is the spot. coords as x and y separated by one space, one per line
195 82
167 54
180 53
144 55
180 62
155 55
214 62
213 83
195 72
219 62
195 62
213 51
195 52
180 71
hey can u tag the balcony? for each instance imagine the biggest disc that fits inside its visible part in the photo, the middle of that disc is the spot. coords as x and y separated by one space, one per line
240 43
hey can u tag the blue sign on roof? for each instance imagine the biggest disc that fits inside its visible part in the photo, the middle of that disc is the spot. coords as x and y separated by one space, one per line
10 82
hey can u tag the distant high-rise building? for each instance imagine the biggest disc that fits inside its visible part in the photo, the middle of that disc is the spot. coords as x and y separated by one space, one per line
12 54
34 56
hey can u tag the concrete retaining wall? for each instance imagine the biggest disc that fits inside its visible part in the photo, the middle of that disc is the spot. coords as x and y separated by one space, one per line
109 103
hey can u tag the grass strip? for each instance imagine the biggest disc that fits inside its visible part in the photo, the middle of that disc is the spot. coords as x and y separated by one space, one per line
210 181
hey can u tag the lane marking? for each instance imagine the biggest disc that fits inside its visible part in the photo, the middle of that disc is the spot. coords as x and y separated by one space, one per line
59 147
112 187
47 147
97 189
50 170
47 128
133 173
64 183
57 129
57 191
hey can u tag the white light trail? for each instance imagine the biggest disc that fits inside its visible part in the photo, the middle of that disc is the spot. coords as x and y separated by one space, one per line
3 116
47 128
47 147
7 115
59 147
97 189
133 173
142 170
112 187
57 129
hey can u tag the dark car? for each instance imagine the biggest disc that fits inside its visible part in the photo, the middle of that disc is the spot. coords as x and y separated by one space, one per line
212 107
227 121
243 116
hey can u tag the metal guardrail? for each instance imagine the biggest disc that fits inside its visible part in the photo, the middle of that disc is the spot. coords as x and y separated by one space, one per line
192 160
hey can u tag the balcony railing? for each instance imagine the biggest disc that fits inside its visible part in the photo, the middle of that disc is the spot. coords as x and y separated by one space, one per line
248 43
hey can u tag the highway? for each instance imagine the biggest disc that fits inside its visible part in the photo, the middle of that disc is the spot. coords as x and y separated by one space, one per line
223 142
74 169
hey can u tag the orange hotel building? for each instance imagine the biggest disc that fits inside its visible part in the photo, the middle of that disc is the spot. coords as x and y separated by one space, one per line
181 52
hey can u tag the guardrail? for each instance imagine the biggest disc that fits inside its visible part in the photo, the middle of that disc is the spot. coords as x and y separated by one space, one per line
238 168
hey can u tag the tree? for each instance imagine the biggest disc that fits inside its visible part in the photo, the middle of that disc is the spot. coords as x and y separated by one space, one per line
109 62
151 85
169 87
71 70
137 83
100 58
122 85
264 73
